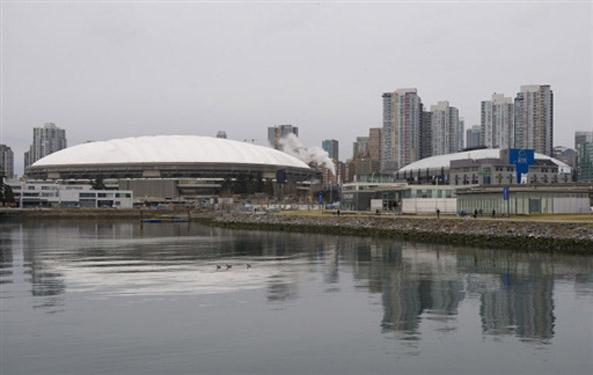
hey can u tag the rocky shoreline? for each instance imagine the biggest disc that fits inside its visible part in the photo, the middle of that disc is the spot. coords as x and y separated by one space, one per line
562 237
523 234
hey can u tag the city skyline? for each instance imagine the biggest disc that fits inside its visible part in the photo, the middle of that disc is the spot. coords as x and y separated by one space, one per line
122 78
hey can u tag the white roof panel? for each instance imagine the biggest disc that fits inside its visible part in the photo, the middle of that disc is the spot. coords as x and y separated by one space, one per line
170 149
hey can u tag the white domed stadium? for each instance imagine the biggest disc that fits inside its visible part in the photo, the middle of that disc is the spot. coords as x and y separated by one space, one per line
435 163
169 149
168 157
483 166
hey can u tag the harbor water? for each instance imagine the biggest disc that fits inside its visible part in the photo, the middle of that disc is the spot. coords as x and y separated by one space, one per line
86 297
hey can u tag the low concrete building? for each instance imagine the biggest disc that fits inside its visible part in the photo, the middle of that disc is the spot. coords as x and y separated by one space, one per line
426 199
399 197
35 194
357 196
525 199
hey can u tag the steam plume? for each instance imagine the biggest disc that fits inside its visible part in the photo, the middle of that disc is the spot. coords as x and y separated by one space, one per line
292 145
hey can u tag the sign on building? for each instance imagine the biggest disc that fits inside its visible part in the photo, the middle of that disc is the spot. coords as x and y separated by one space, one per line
521 158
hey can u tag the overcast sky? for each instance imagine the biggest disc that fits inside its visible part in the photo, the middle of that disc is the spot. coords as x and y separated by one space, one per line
108 70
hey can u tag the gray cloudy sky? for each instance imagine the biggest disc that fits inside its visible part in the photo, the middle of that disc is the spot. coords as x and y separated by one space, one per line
107 70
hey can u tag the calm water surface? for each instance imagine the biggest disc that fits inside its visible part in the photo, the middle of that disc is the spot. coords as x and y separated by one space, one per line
110 298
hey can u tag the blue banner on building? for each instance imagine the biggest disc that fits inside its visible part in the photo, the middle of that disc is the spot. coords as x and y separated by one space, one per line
521 158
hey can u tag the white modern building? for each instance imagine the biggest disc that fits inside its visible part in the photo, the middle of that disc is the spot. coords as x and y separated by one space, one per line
46 140
43 194
447 130
534 119
459 135
473 137
498 122
402 116
6 162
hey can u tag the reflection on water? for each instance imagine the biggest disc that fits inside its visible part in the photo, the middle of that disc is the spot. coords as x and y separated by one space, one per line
425 291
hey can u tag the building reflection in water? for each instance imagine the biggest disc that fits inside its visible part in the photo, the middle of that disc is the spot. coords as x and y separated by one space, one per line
515 291
41 250
6 256
519 297
521 306
417 284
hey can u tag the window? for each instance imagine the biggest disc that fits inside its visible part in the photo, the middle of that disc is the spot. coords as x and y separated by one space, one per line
87 195
426 193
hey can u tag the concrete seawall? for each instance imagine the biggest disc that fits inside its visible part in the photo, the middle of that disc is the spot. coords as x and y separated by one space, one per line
564 237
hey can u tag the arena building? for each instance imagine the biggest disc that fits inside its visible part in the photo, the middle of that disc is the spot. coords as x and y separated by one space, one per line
482 167
178 167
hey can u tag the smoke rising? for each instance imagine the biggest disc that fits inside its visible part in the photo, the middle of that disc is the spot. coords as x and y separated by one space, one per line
292 145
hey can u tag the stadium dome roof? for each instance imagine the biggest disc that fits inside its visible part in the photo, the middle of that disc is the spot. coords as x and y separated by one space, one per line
169 149
442 161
